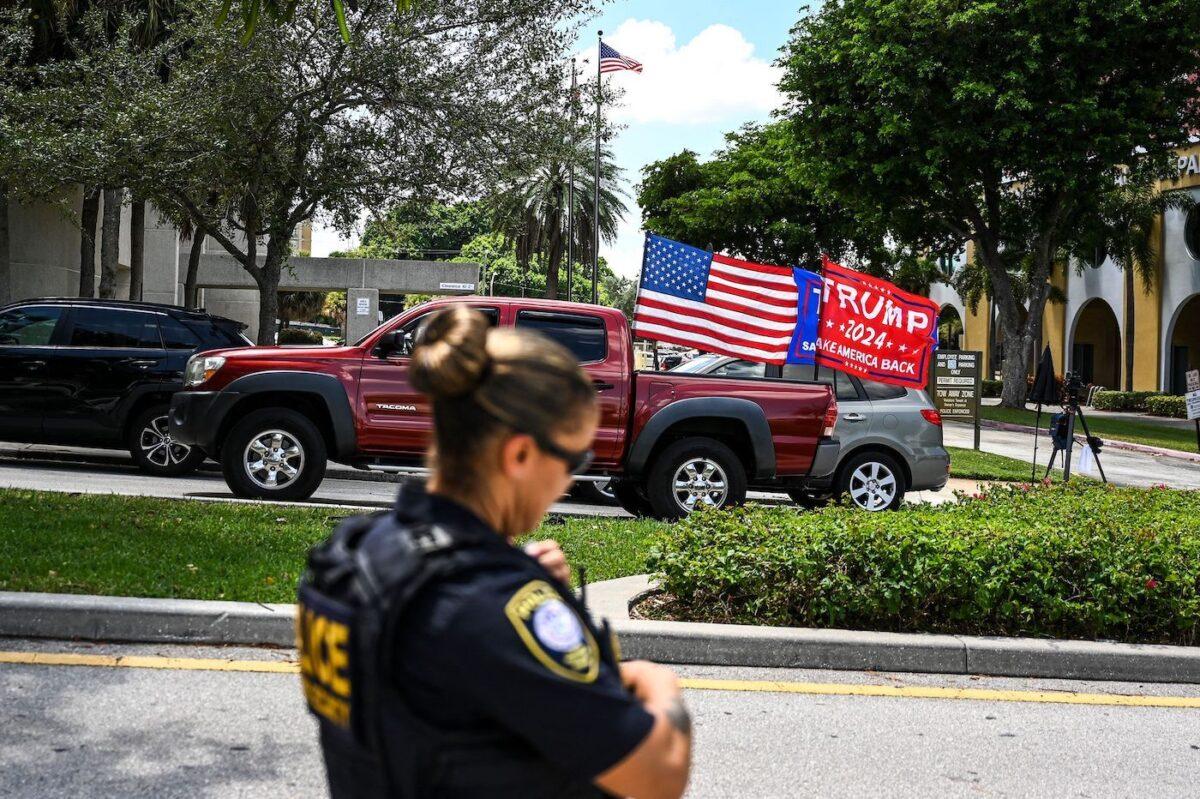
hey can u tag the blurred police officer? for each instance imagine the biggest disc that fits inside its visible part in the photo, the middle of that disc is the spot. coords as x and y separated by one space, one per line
443 661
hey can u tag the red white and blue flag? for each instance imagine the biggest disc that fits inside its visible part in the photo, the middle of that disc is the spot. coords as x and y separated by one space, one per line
612 61
715 303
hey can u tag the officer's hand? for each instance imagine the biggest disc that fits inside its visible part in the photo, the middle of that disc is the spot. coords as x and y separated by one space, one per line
550 555
648 681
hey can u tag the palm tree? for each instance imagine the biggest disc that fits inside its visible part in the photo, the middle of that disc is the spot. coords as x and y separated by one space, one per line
531 210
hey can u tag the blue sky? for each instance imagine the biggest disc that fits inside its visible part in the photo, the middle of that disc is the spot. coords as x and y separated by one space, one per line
708 69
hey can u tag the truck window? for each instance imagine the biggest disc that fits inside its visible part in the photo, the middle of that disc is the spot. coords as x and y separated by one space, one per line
582 335
417 326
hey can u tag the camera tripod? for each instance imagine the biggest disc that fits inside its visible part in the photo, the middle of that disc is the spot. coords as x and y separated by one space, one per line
1072 410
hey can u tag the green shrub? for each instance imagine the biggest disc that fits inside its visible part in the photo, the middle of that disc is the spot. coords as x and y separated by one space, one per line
991 388
1167 405
1122 400
1076 561
298 335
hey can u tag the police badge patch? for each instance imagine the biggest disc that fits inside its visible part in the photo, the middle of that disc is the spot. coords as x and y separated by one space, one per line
553 632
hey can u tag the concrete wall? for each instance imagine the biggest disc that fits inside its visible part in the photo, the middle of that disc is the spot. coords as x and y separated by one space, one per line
1105 283
1180 282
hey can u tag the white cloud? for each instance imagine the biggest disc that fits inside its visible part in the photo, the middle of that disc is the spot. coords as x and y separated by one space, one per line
327 239
712 78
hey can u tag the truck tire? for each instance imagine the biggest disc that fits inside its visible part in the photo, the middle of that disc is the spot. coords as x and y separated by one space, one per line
873 481
274 453
594 493
152 449
629 496
693 472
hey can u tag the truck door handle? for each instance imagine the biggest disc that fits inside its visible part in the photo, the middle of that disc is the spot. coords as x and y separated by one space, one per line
854 417
141 363
601 385
32 365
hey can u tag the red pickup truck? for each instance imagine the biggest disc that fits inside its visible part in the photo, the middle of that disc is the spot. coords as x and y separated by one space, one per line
669 441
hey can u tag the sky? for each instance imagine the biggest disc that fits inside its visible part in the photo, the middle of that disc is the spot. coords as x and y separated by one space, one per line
708 68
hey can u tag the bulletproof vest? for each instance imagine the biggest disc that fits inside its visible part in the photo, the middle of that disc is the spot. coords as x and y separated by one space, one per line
351 601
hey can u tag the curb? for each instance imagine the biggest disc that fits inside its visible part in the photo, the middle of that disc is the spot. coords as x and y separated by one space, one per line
1108 442
128 619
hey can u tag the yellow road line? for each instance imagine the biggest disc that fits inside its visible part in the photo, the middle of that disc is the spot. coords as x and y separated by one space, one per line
691 683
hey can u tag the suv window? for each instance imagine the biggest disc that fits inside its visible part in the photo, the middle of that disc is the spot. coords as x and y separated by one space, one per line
175 336
28 326
582 335
882 391
417 326
213 334
843 385
114 327
740 369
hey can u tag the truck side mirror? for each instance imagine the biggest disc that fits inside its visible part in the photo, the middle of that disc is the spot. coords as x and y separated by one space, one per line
393 342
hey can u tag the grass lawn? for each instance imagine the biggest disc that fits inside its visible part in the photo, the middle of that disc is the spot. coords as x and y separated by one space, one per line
986 466
142 546
1136 431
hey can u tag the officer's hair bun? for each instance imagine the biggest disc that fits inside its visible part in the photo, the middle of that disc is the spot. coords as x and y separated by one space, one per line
451 357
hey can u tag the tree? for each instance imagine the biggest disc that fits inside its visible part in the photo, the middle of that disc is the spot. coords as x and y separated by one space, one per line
1006 125
752 200
325 127
531 209
423 230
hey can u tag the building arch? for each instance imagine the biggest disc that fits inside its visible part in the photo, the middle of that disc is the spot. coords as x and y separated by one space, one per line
1094 344
951 330
1183 344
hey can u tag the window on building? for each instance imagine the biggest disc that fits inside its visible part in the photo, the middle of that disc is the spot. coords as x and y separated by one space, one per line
582 335
28 326
1097 258
1191 233
115 328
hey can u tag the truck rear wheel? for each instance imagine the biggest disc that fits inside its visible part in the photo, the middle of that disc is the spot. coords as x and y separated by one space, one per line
274 453
695 472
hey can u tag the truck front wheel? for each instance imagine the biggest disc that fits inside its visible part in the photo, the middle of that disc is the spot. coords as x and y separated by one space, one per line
693 473
274 453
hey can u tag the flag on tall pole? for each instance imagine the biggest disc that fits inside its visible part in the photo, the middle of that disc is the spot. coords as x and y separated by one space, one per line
571 192
609 61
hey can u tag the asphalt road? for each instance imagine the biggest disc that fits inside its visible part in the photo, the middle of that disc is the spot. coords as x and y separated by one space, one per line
133 732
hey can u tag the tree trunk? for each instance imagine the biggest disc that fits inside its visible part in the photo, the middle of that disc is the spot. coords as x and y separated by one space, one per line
5 264
190 290
87 242
268 290
1129 328
110 242
555 263
137 248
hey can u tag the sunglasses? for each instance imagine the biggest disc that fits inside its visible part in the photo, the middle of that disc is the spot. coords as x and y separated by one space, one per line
577 462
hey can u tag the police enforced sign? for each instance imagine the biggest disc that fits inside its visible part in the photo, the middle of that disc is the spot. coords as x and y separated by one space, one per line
873 329
956 384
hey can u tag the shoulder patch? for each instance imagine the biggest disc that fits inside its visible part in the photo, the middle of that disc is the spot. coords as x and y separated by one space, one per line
553 632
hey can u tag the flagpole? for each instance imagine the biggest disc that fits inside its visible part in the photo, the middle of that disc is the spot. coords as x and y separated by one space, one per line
596 182
571 193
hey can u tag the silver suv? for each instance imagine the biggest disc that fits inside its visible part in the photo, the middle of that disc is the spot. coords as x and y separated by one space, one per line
891 436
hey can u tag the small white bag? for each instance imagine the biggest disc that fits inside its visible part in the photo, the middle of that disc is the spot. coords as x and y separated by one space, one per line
1087 461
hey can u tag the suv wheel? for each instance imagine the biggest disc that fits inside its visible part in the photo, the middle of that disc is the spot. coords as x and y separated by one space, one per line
873 481
629 496
692 473
274 453
153 450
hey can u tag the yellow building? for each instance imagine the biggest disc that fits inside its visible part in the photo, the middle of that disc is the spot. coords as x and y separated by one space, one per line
1098 324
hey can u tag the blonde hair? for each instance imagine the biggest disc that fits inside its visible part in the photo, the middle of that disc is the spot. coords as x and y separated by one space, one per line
483 381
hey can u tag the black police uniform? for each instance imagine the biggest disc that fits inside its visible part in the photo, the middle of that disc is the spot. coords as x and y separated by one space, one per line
441 661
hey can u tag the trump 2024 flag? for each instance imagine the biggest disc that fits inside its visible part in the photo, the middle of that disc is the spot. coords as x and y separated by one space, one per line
715 303
873 329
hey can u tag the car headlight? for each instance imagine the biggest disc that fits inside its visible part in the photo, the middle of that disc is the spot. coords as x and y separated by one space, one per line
201 368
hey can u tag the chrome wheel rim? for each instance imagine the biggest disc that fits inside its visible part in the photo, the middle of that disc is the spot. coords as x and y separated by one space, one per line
157 446
273 459
873 486
606 489
700 482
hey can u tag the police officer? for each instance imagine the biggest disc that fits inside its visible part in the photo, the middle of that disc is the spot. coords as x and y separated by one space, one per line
443 661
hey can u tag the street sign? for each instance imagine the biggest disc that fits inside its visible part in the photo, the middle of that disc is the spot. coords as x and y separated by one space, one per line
1193 394
957 385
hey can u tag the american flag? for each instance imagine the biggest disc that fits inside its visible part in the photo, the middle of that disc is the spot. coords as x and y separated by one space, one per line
612 61
715 303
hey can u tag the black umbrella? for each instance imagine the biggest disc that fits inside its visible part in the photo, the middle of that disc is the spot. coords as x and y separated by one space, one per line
1044 391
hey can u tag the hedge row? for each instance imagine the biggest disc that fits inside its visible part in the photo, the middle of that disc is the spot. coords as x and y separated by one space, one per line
1123 400
992 388
1077 561
298 335
1167 405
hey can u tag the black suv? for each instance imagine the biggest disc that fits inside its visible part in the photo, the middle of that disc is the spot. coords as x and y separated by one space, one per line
100 373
